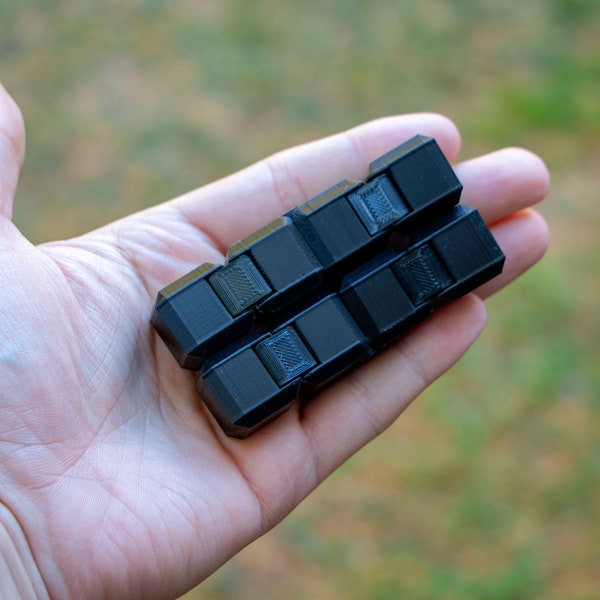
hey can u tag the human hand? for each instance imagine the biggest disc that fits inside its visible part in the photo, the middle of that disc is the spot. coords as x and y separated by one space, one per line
114 480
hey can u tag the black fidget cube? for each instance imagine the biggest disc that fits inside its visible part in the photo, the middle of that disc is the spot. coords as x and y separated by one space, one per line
326 286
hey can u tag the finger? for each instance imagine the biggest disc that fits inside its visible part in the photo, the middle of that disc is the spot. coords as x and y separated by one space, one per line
503 182
524 240
12 150
351 412
363 404
344 417
236 206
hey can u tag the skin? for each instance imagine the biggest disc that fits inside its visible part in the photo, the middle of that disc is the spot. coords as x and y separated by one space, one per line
114 480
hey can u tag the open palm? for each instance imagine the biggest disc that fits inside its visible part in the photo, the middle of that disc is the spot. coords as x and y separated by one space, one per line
114 480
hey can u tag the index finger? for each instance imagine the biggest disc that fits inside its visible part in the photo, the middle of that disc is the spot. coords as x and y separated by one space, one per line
234 207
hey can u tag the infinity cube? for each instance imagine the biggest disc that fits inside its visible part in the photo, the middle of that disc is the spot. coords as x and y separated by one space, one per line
326 286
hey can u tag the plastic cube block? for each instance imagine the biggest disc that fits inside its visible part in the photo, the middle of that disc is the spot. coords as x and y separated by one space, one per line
284 258
193 321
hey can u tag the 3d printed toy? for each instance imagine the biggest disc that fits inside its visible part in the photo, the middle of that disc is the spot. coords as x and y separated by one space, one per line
326 286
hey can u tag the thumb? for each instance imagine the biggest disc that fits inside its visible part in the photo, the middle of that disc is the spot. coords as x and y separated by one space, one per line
12 151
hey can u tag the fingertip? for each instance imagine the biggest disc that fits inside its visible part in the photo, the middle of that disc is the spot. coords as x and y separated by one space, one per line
532 168
503 182
448 135
475 305
293 176
12 125
524 238
540 230
381 135
528 227
12 150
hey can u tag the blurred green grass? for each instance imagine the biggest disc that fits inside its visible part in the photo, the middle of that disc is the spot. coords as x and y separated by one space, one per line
489 486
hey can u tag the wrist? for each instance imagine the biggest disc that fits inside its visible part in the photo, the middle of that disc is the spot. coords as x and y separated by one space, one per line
19 575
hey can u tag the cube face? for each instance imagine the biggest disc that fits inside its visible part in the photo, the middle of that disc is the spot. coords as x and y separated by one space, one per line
333 338
425 177
241 382
326 286
200 313
241 393
379 304
464 249
281 255
333 230
422 176
285 258
194 323
288 263
467 249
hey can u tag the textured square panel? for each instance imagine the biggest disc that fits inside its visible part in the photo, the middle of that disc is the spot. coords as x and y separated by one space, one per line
378 204
239 285
285 356
422 274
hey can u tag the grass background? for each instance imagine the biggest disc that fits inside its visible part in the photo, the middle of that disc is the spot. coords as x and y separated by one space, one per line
489 486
